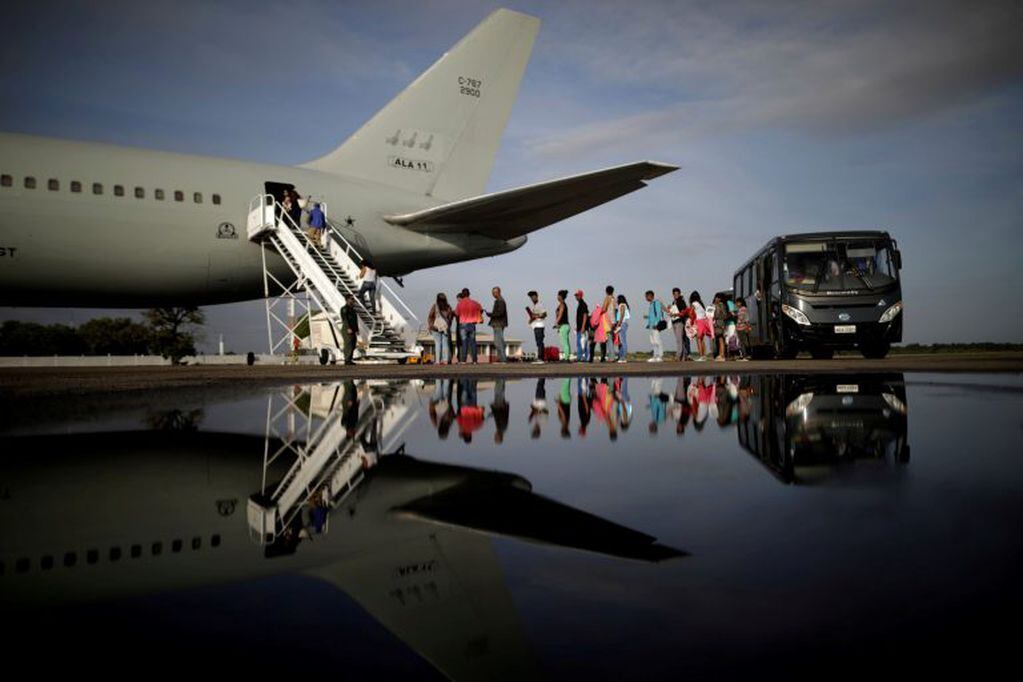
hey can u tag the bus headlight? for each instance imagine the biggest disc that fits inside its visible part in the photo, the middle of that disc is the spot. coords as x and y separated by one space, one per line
797 314
890 314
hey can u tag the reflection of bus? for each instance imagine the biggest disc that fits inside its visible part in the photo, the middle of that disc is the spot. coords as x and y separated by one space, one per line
809 428
821 292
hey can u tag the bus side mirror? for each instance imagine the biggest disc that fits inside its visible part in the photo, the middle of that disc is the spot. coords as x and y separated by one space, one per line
898 259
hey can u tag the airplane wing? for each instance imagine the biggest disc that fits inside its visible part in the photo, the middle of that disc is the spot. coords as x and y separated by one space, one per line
515 212
512 511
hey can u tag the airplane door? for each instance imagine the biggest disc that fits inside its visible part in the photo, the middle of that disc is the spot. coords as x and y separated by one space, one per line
277 189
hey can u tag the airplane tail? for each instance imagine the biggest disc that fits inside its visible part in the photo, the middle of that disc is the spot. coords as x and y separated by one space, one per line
439 136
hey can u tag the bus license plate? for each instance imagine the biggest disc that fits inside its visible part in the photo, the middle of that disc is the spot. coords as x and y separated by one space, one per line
845 329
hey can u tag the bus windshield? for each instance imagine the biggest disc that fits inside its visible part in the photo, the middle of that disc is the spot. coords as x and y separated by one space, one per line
835 265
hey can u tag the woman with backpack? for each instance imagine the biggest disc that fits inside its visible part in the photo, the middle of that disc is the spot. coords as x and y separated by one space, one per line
622 317
439 322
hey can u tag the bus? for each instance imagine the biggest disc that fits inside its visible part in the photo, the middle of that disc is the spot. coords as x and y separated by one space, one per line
821 292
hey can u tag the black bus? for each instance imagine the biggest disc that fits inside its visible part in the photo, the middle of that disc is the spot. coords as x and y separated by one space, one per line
822 292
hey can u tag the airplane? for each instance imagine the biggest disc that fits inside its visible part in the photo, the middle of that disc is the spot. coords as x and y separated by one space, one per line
111 515
84 224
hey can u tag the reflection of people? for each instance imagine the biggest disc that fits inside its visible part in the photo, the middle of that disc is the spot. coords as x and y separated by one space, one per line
470 415
538 409
350 407
583 404
565 407
499 410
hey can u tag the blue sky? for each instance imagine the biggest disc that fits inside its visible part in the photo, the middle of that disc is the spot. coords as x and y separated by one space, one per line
784 116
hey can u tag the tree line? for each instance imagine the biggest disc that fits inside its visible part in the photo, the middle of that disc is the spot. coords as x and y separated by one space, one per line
169 331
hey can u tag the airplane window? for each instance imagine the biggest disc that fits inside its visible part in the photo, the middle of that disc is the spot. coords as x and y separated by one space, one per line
179 195
46 563
2 568
118 190
97 188
6 180
176 546
70 559
92 556
53 184
76 186
198 197
136 551
115 553
140 193
157 548
30 183
215 541
216 199
158 194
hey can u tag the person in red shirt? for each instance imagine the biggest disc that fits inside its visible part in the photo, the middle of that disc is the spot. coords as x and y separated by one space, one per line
469 313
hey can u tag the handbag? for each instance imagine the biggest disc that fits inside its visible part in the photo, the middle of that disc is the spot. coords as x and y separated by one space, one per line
661 326
440 324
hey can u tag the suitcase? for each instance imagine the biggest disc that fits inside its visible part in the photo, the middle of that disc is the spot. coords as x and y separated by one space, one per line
551 354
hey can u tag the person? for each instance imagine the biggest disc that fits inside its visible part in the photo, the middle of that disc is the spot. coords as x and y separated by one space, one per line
287 203
499 322
582 327
743 328
622 317
439 322
349 328
599 324
469 313
703 326
537 314
296 211
368 275
656 323
456 340
608 306
679 313
561 324
317 225
720 319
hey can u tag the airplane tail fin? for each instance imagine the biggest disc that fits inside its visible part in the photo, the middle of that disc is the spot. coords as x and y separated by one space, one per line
439 136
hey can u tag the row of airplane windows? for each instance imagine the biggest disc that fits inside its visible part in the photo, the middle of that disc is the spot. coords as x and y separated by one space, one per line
97 188
47 562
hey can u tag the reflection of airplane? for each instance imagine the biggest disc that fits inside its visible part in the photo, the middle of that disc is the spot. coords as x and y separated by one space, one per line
805 429
108 515
173 224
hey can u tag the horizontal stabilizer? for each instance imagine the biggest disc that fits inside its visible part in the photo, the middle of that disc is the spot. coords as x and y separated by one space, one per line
515 212
514 512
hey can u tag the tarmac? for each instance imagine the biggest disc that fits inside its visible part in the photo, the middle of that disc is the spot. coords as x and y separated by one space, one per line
18 384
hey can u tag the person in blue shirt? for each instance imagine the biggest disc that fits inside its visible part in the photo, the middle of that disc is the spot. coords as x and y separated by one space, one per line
317 225
656 323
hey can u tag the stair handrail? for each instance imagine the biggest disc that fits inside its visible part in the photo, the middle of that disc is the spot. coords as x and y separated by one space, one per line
269 201
352 251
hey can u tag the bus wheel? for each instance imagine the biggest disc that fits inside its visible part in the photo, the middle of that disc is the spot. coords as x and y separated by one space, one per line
324 356
875 351
822 353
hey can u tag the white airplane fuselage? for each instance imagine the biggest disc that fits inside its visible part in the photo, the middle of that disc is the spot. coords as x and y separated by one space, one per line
60 247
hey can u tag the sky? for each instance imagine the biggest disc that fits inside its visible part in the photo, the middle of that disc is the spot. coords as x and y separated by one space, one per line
783 116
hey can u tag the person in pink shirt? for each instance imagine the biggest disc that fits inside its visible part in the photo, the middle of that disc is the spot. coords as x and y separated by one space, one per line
469 314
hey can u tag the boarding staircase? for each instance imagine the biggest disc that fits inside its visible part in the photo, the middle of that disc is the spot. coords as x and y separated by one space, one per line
329 273
330 457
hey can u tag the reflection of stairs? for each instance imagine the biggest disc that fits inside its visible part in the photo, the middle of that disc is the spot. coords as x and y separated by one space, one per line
330 274
332 459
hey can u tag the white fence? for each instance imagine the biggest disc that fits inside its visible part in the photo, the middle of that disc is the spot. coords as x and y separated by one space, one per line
146 360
